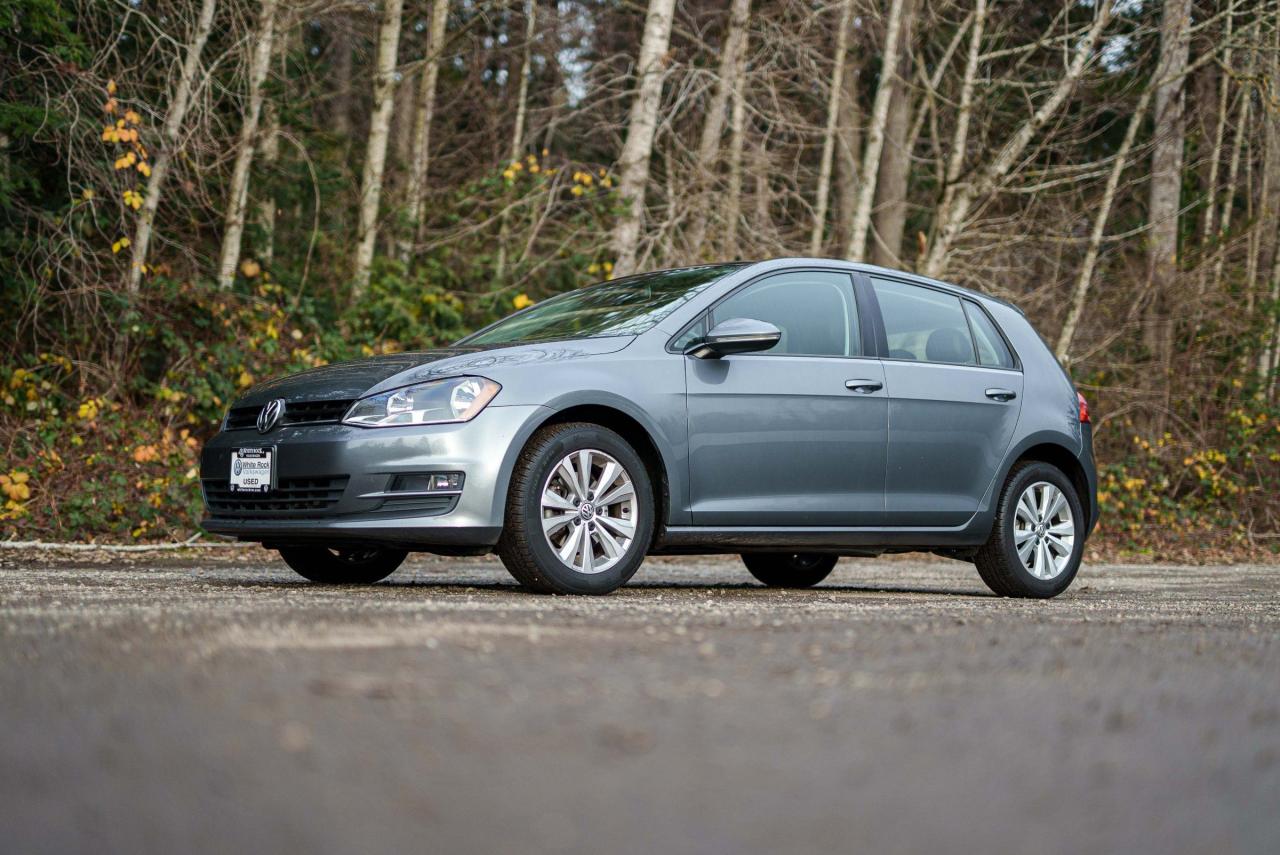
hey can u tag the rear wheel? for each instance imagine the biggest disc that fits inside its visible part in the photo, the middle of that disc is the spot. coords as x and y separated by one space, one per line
1038 538
338 566
580 512
789 569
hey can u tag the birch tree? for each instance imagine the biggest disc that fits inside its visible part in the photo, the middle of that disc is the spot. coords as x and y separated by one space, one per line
737 136
875 134
424 115
170 144
238 194
517 131
1165 187
375 160
1084 278
834 96
735 46
889 213
952 217
642 124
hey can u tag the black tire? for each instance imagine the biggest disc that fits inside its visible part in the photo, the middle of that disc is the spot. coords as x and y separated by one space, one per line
789 569
523 547
340 566
998 561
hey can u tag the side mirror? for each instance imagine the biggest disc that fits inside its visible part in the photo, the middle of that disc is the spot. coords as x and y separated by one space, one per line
736 335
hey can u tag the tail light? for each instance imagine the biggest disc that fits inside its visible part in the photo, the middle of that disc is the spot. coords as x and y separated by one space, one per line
1084 408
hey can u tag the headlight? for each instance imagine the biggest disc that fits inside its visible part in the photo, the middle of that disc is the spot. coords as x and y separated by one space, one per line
456 400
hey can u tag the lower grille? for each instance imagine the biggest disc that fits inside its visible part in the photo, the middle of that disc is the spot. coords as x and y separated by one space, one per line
292 498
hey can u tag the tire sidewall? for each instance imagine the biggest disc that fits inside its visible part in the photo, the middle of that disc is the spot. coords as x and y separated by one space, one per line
540 467
1025 478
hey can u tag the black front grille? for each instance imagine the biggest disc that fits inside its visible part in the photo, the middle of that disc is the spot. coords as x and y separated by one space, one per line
295 413
292 497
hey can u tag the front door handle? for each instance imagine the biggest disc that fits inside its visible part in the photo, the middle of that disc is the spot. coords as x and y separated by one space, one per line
1001 394
866 387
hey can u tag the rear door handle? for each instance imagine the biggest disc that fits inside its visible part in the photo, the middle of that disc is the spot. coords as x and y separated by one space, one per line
864 386
1001 394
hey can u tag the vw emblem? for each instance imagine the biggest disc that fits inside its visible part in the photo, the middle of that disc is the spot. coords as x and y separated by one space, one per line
270 415
586 510
237 467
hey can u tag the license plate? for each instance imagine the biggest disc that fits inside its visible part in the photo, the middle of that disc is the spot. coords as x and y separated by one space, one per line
252 470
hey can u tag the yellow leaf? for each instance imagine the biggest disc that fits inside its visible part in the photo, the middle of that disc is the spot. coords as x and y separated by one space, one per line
246 379
522 301
145 169
111 86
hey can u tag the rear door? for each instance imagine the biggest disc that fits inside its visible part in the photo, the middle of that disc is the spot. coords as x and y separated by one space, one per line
795 435
955 393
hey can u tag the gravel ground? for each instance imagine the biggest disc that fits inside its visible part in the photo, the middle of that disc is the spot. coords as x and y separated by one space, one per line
209 704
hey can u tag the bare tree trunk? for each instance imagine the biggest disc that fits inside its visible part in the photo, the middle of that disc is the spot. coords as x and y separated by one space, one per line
952 216
420 155
889 214
849 149
737 134
170 138
237 203
517 132
735 47
834 97
875 134
1085 278
267 203
1165 189
960 137
1233 172
375 160
642 124
1269 257
340 71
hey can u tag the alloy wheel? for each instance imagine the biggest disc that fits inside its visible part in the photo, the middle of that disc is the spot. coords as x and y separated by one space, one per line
589 511
1044 531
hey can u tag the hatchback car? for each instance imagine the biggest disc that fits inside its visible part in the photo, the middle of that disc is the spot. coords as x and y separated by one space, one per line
792 411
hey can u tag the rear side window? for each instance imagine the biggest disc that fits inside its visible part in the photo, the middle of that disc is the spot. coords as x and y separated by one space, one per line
814 310
924 325
992 351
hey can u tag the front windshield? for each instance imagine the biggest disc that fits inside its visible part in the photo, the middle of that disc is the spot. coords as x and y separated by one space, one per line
624 307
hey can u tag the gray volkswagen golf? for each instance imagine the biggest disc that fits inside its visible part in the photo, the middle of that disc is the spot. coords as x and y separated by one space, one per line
791 411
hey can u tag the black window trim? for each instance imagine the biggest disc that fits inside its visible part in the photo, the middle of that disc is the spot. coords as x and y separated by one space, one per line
866 329
1013 354
882 337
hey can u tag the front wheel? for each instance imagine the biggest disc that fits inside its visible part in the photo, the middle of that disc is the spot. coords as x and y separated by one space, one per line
334 566
580 512
789 569
1038 538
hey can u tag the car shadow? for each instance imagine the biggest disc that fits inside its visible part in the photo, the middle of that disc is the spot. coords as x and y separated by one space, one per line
655 587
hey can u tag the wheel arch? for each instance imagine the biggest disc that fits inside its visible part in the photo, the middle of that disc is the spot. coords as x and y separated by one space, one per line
1062 458
631 426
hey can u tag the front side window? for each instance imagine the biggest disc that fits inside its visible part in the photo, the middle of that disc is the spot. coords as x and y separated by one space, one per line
924 325
815 311
625 307
992 351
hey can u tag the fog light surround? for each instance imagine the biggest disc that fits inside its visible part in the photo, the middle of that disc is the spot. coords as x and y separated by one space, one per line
418 483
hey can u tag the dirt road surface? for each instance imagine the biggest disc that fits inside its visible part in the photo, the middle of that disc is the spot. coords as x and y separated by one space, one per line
220 704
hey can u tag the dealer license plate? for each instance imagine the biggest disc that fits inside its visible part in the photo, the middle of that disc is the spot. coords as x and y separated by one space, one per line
251 470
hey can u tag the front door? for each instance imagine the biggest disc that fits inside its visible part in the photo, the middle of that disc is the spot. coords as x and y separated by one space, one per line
795 435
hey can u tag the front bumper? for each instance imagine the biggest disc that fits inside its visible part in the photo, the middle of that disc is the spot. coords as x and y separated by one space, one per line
483 450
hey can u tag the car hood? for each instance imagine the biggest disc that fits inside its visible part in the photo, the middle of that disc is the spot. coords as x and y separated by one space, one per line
361 377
